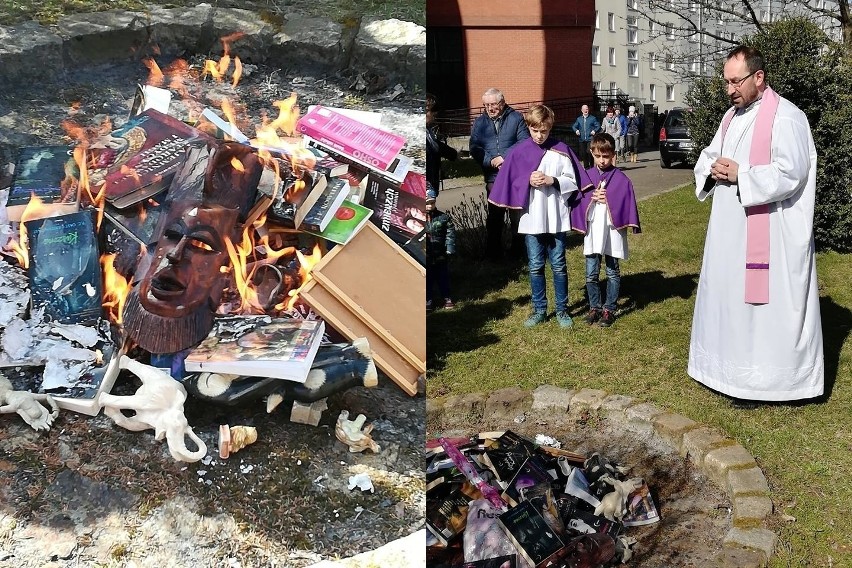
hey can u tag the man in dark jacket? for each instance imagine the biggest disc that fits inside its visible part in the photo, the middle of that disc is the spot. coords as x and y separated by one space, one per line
495 131
585 127
436 148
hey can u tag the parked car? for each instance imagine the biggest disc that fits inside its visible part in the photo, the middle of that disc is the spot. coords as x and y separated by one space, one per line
675 139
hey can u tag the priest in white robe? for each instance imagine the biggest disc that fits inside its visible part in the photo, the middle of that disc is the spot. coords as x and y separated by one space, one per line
756 330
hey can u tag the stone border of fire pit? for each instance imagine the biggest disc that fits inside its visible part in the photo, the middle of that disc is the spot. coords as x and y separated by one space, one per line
387 50
748 543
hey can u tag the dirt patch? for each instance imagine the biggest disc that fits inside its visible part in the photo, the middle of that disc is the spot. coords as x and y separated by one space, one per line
89 493
695 514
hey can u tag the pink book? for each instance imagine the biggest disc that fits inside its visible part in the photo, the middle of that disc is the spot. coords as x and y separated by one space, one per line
374 146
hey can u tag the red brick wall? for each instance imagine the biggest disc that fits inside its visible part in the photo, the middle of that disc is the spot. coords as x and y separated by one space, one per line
530 49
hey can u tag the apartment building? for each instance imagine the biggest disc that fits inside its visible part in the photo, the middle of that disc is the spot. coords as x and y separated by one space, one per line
650 50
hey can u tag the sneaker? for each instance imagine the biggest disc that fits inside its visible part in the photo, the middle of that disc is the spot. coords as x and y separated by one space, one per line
564 319
607 319
534 319
593 316
448 304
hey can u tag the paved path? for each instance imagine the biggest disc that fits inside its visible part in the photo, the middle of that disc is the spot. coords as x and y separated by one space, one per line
647 176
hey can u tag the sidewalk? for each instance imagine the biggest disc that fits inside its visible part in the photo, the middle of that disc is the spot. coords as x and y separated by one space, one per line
648 178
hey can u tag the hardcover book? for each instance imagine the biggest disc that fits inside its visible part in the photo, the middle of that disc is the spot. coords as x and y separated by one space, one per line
140 159
42 171
323 211
395 209
373 146
507 561
65 272
528 475
292 202
281 348
349 219
530 534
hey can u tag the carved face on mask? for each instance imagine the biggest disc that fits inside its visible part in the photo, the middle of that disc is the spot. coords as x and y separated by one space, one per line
185 273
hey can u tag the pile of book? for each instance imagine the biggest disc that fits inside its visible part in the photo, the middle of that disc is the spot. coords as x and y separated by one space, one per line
499 500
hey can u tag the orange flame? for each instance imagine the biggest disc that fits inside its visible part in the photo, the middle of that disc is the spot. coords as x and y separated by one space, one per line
116 289
237 165
306 265
155 75
220 69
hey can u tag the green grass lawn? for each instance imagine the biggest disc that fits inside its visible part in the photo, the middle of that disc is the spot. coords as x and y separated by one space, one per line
805 451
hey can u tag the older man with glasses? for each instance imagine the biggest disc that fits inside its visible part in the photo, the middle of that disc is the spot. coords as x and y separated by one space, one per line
756 332
496 130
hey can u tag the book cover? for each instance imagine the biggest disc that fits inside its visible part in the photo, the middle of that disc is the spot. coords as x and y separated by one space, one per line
65 272
641 509
139 159
530 534
528 475
83 396
281 348
395 210
395 171
43 171
138 221
295 198
323 211
349 219
374 146
446 512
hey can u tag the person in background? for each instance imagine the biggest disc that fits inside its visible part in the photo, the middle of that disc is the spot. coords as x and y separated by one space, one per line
493 133
634 126
585 127
536 179
620 140
440 245
756 329
436 148
612 126
603 214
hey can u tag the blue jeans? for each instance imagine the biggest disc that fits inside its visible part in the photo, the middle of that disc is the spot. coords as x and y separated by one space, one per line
539 248
613 281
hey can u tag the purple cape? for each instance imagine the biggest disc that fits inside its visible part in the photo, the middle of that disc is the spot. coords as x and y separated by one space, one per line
620 201
511 189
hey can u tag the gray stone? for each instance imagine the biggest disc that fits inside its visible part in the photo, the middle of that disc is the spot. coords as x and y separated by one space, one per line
508 402
616 404
697 442
178 30
671 428
549 399
309 42
464 408
751 511
114 35
749 481
383 46
761 540
738 557
588 398
718 462
23 45
254 35
645 412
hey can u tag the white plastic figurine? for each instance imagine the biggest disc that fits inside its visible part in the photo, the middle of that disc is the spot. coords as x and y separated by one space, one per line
349 432
614 504
159 405
29 406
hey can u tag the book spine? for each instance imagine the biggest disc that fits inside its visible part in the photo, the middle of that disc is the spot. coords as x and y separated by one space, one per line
376 147
319 215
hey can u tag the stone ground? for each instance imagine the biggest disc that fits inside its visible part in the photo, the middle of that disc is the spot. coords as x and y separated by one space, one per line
87 493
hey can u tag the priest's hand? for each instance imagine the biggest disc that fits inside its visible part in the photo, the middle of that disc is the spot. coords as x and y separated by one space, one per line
599 195
725 170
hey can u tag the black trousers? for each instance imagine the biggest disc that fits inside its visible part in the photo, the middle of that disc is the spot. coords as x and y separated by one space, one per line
494 223
585 155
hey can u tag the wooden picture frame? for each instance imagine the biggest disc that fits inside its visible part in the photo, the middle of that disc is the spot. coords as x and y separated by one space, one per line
371 288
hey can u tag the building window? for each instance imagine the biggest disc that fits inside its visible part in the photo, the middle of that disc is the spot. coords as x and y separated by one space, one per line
633 4
669 92
596 86
652 92
670 31
597 20
694 65
652 60
693 37
632 63
613 88
596 55
669 63
632 22
611 21
693 6
633 37
612 56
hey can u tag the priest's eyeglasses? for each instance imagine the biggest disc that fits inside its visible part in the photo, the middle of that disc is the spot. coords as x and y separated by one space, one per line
737 83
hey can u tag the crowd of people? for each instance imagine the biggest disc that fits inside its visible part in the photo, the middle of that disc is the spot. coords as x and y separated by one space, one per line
756 331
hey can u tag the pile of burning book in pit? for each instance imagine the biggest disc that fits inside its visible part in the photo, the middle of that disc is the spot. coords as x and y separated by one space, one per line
499 500
188 243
